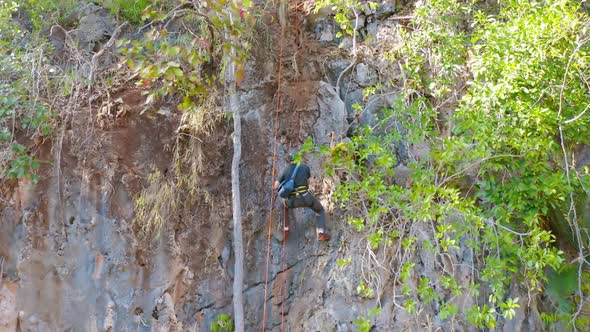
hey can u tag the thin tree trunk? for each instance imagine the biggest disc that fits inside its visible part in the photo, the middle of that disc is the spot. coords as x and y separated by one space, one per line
235 189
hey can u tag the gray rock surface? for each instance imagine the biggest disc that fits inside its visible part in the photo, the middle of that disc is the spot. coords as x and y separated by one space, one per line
386 9
325 31
95 25
8 309
332 115
365 75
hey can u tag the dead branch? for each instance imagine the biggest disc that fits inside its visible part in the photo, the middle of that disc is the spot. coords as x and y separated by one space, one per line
95 57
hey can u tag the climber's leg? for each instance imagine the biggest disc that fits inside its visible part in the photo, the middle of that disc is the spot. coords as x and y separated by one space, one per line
315 204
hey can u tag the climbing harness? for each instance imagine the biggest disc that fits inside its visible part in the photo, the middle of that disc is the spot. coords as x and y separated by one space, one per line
299 191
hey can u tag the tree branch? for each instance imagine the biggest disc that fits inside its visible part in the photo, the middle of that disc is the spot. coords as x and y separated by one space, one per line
109 44
577 116
356 23
238 283
572 213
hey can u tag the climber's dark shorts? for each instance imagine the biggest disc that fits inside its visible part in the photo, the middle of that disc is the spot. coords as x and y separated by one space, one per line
307 200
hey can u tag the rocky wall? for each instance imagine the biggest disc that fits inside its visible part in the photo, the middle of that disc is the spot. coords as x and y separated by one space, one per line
72 260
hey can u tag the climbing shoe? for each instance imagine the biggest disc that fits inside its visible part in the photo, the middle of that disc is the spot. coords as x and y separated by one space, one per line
323 237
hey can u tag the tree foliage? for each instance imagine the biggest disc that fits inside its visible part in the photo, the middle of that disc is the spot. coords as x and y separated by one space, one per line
25 112
514 79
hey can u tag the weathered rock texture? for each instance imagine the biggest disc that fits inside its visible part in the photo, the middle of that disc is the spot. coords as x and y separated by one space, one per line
73 261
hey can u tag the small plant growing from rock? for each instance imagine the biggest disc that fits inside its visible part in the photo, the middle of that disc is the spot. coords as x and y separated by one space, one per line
222 323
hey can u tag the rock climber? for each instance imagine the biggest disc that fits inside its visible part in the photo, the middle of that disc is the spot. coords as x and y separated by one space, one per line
301 196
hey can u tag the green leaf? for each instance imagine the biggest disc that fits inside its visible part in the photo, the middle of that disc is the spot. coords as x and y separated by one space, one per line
173 51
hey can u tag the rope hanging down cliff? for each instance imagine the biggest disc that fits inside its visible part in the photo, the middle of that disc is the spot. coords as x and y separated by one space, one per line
283 21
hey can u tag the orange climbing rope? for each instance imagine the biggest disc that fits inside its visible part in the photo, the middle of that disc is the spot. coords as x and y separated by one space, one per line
274 170
298 129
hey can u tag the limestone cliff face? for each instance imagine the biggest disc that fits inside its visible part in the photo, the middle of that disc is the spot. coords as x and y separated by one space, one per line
71 259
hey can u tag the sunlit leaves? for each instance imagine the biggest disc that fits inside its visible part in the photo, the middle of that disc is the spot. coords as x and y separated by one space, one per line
495 176
364 290
344 13
448 310
481 317
169 66
508 308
